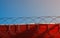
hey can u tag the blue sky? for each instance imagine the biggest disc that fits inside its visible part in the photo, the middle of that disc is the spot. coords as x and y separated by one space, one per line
24 8
17 8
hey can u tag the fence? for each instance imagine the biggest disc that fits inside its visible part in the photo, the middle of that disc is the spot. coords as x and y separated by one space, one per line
27 20
42 24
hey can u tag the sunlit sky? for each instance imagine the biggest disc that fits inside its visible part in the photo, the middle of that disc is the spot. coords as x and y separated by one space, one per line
17 8
24 8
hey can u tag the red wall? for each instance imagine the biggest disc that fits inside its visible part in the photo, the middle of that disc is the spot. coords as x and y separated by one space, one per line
30 31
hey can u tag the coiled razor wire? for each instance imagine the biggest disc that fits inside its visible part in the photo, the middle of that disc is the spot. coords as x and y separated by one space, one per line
28 20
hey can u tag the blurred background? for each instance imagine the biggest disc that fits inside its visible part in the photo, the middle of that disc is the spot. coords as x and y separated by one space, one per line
29 8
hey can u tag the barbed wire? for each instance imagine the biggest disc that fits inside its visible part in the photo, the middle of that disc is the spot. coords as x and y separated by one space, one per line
27 20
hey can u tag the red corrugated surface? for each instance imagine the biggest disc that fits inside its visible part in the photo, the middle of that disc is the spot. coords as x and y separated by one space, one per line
30 31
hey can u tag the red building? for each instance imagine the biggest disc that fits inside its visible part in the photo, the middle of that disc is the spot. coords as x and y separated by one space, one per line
30 31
